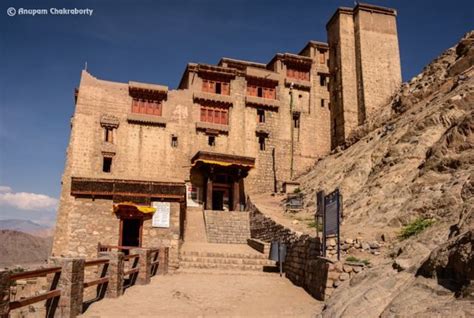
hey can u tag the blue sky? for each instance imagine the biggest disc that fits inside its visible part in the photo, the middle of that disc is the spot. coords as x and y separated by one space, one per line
151 41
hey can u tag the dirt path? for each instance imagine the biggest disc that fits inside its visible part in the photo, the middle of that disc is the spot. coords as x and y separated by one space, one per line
211 295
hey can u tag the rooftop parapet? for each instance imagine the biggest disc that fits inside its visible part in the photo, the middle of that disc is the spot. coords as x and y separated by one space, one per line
361 7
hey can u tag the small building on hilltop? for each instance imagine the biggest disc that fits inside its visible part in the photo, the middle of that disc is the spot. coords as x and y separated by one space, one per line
228 130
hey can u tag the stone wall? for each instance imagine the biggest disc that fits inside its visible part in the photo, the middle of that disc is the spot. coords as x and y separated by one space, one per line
227 227
303 265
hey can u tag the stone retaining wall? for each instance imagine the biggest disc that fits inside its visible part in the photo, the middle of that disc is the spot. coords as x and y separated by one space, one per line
227 227
304 266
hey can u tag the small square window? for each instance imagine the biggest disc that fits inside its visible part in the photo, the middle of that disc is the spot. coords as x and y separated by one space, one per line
211 141
174 141
261 115
296 120
107 164
322 80
109 137
323 103
261 142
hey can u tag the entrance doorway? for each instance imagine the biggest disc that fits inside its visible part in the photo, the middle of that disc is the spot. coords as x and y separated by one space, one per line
217 200
131 232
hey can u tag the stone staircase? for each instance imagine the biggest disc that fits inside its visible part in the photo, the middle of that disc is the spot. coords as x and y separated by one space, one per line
223 258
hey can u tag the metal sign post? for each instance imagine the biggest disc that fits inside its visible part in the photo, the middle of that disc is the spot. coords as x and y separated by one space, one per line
329 206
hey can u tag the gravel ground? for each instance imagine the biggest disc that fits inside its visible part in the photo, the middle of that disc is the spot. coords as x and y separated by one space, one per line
210 295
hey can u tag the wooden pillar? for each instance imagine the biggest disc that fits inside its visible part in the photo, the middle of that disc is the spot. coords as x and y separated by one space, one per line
236 195
4 294
209 194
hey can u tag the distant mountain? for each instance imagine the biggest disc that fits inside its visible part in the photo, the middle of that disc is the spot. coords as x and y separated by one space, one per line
26 226
18 248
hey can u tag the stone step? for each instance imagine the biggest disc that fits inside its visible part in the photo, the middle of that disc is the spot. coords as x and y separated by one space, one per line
223 260
235 267
223 254
226 272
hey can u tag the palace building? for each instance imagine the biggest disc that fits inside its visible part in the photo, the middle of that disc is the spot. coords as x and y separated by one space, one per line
228 130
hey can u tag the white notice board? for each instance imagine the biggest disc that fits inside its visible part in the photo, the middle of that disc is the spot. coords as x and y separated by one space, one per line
161 218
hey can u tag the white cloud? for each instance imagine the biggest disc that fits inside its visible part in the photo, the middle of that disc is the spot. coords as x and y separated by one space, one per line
26 200
4 189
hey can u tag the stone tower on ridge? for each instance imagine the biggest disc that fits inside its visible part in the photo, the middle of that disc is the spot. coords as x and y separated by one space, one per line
364 65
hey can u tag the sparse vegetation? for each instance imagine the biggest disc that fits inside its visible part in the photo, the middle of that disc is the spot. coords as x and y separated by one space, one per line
415 227
356 260
297 190
314 225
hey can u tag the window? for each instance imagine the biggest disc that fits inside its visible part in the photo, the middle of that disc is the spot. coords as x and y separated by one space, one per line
261 142
322 57
261 115
215 115
297 73
296 120
174 141
323 102
259 89
322 80
107 164
146 106
211 141
109 137
216 87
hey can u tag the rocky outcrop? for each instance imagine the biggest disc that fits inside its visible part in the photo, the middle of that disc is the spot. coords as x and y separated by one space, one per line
413 160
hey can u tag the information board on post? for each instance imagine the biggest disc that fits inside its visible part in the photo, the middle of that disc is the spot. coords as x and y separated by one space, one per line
329 207
161 218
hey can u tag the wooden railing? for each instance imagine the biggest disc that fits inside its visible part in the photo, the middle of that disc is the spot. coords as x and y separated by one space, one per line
103 279
155 261
52 293
117 270
134 267
108 248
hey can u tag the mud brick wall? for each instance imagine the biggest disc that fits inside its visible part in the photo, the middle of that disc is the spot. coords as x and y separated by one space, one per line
227 227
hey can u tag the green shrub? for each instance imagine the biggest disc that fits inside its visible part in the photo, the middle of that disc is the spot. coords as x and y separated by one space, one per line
314 225
356 260
415 227
297 190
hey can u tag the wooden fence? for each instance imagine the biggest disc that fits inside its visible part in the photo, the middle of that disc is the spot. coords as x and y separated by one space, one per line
65 295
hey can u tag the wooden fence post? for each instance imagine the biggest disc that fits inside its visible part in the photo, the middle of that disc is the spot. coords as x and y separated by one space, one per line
116 263
71 284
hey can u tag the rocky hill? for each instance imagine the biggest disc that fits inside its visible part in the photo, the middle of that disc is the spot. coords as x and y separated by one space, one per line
26 226
22 249
412 165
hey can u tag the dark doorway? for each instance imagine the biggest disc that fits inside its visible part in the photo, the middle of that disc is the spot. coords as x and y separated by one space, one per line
131 232
217 200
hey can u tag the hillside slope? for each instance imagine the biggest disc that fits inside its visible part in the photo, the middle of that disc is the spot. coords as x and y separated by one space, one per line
26 226
415 159
18 248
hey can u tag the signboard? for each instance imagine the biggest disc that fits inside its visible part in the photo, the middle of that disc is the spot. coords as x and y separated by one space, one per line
331 217
329 208
192 195
161 218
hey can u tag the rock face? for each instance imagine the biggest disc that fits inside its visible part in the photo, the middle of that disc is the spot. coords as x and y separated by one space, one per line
414 160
